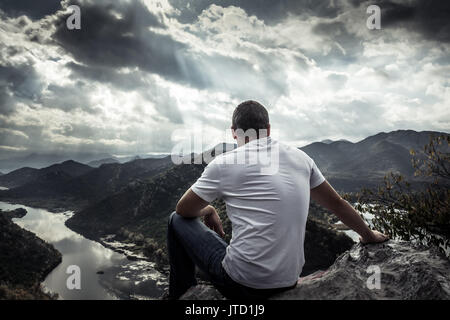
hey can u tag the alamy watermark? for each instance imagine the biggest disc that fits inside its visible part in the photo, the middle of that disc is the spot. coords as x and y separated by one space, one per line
374 280
74 20
374 20
73 281
262 152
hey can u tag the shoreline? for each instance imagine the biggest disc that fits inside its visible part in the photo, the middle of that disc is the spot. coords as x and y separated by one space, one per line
133 251
34 259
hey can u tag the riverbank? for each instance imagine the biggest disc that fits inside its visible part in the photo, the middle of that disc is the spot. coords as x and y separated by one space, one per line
105 273
25 261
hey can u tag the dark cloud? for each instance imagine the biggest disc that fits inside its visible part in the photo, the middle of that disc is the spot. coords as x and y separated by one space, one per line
345 46
123 81
20 82
35 9
17 135
431 18
268 10
165 104
118 36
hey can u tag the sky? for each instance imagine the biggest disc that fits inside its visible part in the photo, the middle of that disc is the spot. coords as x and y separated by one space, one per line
143 76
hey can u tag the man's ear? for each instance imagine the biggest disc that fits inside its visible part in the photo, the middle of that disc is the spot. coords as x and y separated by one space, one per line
268 130
233 133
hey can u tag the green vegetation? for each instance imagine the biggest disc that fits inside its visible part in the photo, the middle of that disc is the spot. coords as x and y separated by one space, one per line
418 215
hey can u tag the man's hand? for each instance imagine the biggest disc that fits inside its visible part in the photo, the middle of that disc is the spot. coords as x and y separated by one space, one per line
374 237
212 220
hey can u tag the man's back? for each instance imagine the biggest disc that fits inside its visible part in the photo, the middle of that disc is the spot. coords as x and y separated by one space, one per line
267 207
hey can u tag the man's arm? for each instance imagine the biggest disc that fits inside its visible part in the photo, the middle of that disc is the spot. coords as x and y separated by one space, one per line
191 205
326 196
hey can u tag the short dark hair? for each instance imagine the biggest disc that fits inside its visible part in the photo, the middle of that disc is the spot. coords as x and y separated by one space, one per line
250 115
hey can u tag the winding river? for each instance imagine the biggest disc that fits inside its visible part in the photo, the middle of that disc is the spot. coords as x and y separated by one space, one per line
105 274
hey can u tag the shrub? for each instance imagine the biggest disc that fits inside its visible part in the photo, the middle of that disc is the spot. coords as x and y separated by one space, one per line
418 214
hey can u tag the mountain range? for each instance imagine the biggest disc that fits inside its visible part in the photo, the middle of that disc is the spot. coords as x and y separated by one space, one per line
351 166
348 166
132 200
42 160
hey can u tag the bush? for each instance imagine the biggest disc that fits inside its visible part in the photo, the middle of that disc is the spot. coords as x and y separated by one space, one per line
422 214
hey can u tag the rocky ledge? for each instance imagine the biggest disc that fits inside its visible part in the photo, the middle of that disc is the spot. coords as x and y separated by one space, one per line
391 270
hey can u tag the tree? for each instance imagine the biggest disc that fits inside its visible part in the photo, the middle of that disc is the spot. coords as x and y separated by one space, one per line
417 214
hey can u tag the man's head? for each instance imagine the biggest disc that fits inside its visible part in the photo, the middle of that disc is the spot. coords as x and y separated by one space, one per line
250 118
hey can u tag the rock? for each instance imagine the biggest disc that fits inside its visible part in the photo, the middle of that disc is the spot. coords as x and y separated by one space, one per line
16 213
202 292
407 271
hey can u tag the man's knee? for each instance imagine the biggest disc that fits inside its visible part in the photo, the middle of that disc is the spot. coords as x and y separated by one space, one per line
175 220
179 223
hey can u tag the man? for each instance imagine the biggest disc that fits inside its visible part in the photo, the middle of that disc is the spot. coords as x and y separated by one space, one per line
267 209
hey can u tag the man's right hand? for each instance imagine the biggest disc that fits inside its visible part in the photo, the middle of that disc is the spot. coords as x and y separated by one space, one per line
374 237
212 220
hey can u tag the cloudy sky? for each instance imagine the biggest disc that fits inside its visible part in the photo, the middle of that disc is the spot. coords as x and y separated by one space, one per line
142 75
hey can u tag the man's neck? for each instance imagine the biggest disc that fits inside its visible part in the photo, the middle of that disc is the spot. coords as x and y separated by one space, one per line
241 142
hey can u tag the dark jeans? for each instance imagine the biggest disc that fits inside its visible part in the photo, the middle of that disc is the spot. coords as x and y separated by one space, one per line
191 243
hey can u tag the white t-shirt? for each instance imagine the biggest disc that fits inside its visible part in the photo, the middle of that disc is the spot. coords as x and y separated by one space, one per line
267 208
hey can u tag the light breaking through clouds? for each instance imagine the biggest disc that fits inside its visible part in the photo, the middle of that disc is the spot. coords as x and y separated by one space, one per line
139 70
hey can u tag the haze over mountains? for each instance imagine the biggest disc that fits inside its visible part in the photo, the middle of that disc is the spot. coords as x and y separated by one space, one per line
45 159
347 165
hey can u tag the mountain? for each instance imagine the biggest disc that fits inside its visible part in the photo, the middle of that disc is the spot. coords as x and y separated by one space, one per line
26 175
98 163
73 185
42 160
350 166
141 206
18 177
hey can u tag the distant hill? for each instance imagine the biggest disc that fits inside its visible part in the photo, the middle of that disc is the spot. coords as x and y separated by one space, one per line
98 163
328 141
350 166
72 185
26 175
42 160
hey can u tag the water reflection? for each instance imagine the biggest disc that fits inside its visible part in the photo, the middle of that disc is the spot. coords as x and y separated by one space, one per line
121 278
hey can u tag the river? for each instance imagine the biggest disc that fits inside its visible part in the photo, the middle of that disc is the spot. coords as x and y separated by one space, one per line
105 274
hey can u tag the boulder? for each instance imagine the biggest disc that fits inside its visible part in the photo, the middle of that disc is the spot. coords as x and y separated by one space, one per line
390 270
